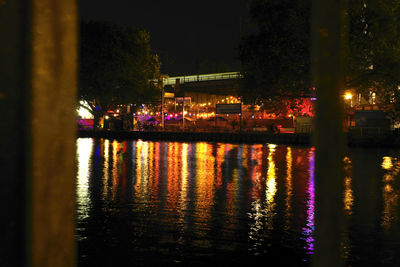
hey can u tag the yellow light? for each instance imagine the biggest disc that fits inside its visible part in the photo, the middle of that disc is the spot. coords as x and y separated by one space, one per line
388 188
272 146
387 163
106 117
348 96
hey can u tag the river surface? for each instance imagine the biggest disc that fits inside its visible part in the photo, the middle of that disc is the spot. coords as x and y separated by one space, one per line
143 203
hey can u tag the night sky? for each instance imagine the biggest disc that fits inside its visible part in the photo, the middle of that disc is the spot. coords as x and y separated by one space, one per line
183 33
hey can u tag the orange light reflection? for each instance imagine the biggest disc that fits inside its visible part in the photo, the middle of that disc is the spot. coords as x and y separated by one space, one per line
270 188
348 192
289 185
390 192
204 181
173 180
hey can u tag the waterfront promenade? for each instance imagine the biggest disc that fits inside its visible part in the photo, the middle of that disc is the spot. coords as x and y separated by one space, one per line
303 139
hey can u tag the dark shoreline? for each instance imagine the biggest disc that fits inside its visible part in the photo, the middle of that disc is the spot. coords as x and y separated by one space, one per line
388 141
231 137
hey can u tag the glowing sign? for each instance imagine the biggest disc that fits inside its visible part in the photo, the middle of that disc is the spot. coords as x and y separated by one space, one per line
169 95
229 108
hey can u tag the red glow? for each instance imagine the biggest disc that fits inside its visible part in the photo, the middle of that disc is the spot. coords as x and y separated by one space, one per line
300 107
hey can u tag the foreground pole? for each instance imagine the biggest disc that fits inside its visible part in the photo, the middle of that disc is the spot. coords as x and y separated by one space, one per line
54 83
37 139
327 63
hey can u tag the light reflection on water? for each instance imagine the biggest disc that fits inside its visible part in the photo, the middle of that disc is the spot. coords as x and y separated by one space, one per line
308 230
149 203
83 153
390 192
348 192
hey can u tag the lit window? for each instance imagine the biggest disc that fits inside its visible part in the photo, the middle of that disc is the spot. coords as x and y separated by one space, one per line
373 98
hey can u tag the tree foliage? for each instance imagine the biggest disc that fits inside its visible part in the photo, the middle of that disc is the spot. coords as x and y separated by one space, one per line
116 66
373 58
276 59
288 106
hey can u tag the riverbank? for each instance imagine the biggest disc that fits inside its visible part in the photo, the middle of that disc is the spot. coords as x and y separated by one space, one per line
303 139
231 137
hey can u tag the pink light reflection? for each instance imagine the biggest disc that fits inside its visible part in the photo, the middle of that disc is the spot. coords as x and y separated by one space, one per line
308 230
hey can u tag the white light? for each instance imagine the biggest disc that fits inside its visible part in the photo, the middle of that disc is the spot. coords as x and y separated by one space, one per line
83 112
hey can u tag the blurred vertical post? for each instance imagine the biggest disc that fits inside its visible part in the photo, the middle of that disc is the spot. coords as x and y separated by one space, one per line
53 132
38 74
327 64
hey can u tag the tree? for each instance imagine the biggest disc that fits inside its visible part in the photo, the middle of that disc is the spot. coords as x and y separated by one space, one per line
289 106
373 58
276 59
116 66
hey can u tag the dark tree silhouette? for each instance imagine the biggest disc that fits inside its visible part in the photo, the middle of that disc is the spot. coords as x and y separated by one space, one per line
276 58
116 66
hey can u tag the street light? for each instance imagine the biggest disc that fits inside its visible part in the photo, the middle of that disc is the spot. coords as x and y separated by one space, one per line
348 96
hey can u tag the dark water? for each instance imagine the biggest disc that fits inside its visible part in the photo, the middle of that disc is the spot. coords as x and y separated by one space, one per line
186 204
